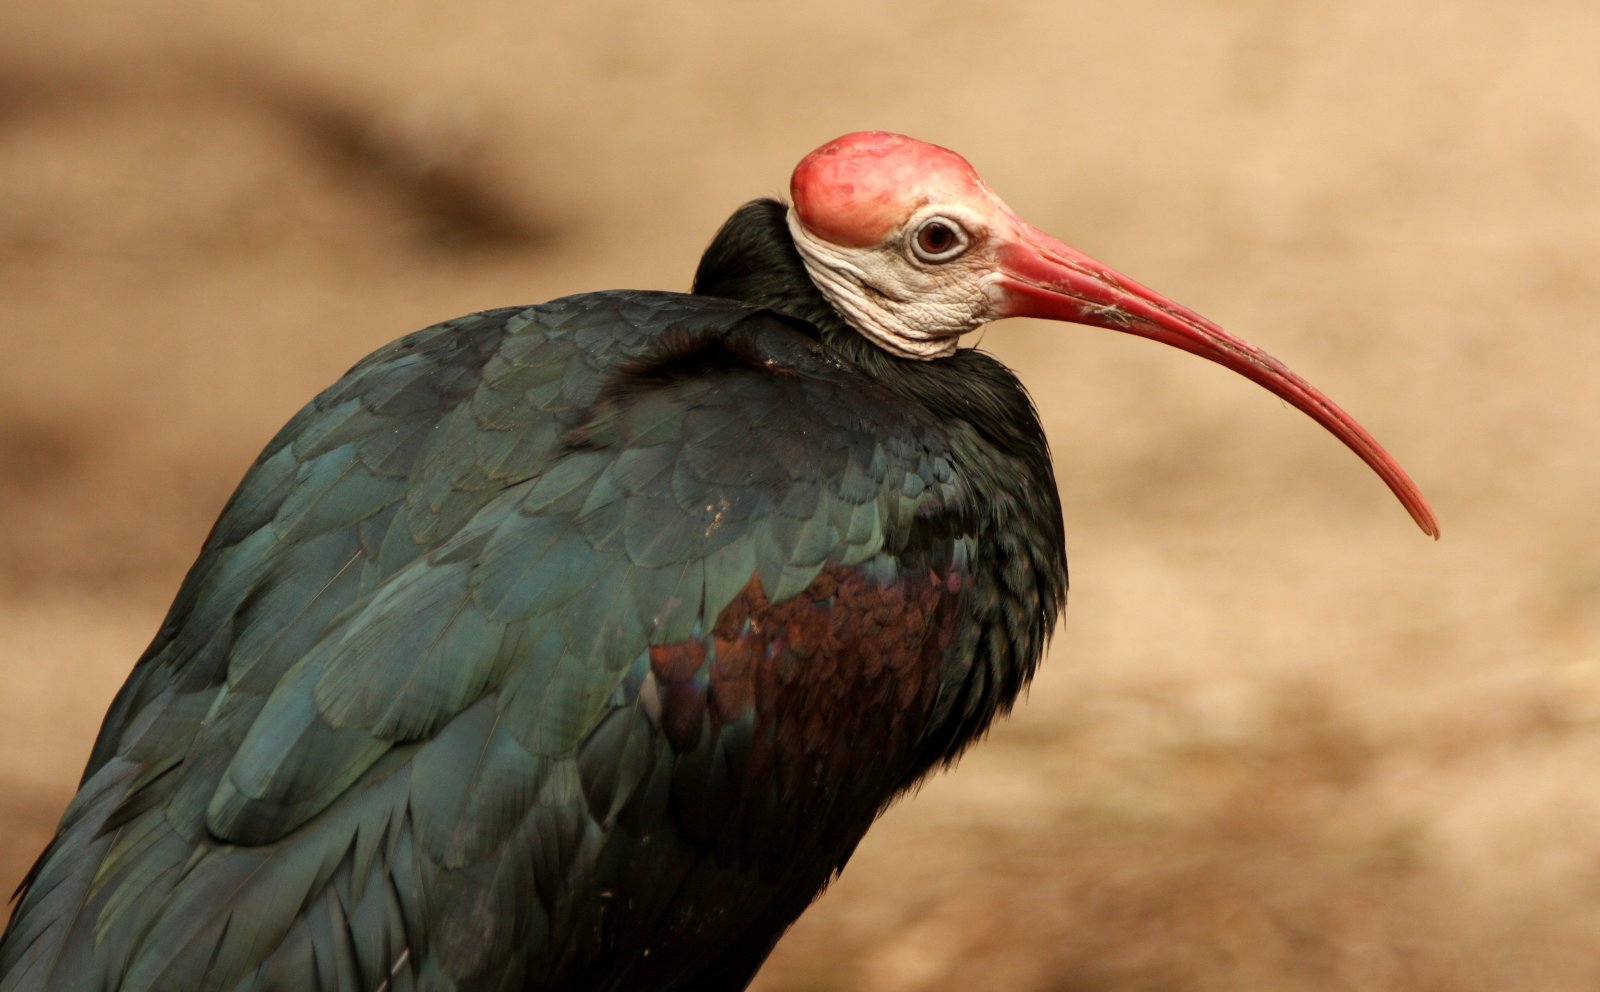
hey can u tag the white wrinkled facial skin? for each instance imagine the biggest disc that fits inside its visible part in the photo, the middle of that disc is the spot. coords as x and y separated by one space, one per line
907 306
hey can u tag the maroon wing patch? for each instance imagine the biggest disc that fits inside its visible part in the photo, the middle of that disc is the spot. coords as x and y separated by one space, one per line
833 682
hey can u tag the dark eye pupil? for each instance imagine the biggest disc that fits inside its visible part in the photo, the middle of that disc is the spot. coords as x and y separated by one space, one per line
936 238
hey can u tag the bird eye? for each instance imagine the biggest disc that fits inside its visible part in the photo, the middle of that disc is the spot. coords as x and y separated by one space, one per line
938 240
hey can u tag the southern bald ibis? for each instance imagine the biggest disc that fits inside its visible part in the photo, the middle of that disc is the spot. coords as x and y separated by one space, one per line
576 646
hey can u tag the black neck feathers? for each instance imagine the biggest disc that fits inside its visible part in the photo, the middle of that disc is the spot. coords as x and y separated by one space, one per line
992 429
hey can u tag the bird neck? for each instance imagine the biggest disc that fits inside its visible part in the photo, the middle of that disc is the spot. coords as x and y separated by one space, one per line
753 259
993 431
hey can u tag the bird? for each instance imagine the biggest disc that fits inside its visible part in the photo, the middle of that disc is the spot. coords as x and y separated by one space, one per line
578 645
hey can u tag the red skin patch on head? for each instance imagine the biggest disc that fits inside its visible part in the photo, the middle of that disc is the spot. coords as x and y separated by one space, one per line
859 189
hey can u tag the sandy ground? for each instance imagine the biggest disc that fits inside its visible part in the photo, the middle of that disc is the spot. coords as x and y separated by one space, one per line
1282 741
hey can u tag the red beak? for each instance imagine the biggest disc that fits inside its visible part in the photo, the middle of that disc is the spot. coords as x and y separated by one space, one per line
1041 277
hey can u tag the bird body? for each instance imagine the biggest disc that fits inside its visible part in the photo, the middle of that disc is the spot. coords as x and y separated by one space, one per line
573 646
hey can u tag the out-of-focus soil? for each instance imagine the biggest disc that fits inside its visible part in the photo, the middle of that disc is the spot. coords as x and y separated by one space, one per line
1281 742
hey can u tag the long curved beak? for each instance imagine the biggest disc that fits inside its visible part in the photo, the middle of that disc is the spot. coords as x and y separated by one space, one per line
1041 277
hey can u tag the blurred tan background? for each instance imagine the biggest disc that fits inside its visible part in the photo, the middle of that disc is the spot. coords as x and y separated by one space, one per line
1282 742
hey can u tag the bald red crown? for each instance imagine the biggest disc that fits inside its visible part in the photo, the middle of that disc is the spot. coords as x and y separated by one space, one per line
858 189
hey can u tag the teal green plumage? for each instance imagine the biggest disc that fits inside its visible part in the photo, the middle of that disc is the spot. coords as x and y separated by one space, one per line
564 647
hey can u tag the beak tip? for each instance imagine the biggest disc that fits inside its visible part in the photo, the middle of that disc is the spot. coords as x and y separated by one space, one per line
1422 513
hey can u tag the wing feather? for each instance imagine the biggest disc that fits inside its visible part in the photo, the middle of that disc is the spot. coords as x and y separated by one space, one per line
505 655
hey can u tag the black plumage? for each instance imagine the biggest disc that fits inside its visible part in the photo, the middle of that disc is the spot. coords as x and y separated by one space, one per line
577 646
568 647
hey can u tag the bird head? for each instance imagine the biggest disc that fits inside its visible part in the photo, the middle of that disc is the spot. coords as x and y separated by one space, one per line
912 247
